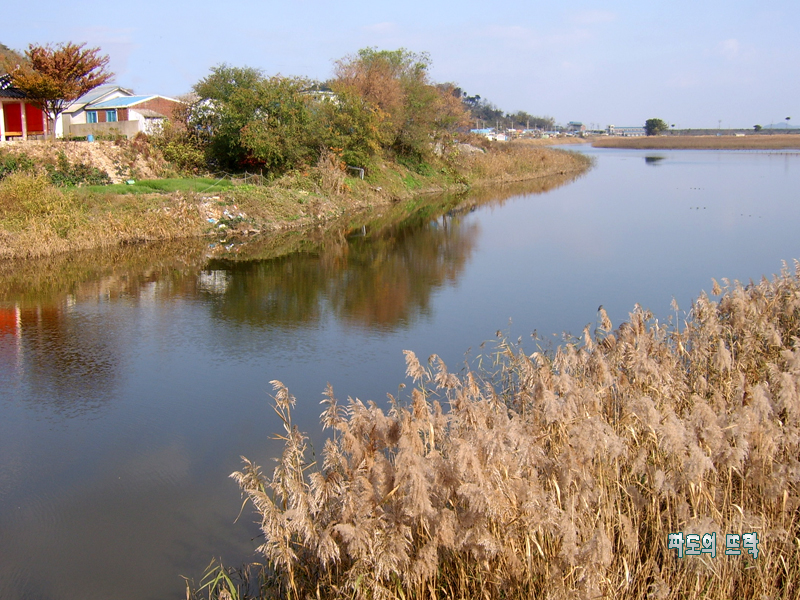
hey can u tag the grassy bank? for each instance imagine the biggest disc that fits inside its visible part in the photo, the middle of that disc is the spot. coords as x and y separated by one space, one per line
56 279
556 475
702 142
38 218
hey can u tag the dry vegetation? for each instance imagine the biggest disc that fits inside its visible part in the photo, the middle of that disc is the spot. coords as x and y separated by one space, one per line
556 475
121 160
517 161
702 142
38 218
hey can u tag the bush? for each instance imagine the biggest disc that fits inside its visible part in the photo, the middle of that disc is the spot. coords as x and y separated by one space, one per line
181 148
64 174
13 163
25 195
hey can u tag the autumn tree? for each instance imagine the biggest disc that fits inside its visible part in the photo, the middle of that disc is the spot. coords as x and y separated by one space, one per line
54 77
9 58
413 113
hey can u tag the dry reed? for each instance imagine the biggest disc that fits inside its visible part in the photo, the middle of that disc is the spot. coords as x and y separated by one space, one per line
519 160
558 475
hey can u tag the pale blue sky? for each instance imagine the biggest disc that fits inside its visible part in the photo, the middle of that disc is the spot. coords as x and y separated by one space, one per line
692 63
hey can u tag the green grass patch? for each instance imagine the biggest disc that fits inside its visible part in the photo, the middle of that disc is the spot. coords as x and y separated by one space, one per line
411 182
165 186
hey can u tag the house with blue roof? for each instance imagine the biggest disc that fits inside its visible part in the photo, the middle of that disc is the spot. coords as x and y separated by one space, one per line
113 110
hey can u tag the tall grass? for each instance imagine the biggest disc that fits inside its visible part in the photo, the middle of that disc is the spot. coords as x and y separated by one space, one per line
515 161
561 474
38 219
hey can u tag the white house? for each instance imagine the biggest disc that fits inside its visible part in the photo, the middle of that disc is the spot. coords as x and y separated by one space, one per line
76 113
113 110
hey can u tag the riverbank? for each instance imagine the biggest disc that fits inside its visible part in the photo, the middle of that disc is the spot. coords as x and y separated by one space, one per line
40 219
702 142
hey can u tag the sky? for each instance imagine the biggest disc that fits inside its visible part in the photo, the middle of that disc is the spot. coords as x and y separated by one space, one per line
695 64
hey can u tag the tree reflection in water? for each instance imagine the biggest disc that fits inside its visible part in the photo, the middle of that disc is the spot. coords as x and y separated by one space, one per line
378 270
386 281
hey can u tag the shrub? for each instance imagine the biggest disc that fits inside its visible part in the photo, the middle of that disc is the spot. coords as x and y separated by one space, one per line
15 162
64 174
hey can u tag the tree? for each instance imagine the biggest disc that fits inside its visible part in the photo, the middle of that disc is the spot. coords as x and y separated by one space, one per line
655 126
249 120
54 77
414 115
757 128
9 58
350 124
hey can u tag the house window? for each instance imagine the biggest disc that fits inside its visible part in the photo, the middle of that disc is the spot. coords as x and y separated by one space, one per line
91 116
111 116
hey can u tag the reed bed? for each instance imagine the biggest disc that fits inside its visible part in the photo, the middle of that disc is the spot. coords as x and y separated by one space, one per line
702 142
517 161
557 474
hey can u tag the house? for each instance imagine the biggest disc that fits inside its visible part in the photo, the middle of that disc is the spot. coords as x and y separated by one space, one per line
490 134
75 112
18 118
117 111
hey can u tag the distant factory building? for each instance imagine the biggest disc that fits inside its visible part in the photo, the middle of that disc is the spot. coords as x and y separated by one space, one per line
626 131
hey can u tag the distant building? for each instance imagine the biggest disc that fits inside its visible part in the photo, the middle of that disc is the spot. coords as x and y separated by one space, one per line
490 134
576 127
75 113
321 95
625 131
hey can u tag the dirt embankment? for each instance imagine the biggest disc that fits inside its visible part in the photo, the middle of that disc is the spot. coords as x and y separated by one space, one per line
120 160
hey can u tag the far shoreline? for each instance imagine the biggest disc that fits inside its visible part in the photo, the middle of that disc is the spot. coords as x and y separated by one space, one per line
753 141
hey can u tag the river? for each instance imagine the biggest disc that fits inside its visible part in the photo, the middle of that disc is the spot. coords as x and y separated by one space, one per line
132 380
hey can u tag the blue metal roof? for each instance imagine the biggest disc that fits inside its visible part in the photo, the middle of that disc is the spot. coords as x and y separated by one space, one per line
122 102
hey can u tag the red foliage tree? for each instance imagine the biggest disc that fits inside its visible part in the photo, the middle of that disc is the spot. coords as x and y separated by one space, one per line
54 77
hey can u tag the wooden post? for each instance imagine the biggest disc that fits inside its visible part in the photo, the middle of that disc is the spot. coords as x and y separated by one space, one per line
24 121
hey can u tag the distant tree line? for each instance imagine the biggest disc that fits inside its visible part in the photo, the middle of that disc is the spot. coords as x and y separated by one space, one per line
483 113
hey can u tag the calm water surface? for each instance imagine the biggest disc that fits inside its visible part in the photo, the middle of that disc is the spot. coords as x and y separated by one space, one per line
129 392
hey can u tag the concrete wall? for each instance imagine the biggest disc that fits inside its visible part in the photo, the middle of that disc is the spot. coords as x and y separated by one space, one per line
127 128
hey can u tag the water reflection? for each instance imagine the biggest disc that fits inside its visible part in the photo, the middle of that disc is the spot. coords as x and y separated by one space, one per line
69 362
653 161
132 379
384 281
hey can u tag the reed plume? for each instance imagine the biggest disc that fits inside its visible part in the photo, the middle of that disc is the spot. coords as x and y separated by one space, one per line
559 475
